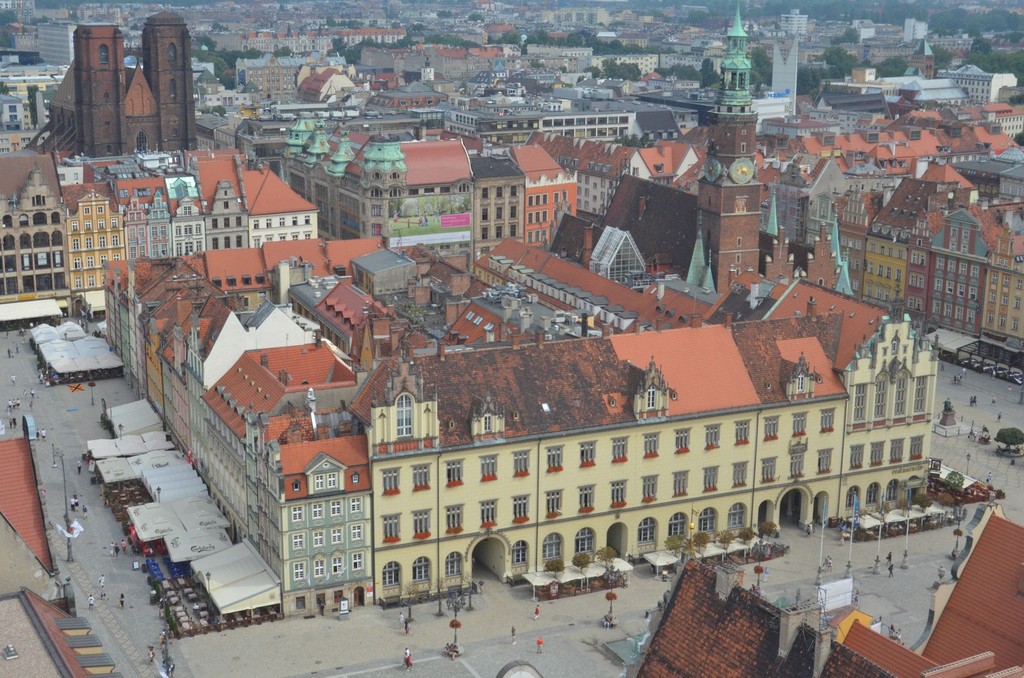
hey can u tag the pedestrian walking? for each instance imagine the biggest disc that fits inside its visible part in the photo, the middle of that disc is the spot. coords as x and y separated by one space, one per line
408 660
888 558
14 379
103 580
513 635
401 620
92 601
124 547
988 478
764 577
44 433
85 511
536 613
828 563
890 570
79 467
999 417
111 547
121 602
540 645
32 393
71 504
407 626
117 550
152 654
170 670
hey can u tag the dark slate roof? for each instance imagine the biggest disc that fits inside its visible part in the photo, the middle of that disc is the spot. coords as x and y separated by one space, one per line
568 239
737 303
518 380
861 103
494 168
656 121
662 220
703 635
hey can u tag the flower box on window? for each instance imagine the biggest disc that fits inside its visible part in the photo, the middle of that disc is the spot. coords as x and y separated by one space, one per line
682 450
453 530
620 460
520 474
827 429
650 455
618 504
555 469
679 494
488 524
856 465
587 464
797 475
553 515
454 483
768 479
391 492
647 500
739 484
744 441
915 457
421 535
823 471
799 434
421 488
485 479
519 520
771 437
392 540
712 488
876 463
708 448
587 509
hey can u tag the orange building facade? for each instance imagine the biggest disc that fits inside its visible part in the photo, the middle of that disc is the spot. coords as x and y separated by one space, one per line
550 192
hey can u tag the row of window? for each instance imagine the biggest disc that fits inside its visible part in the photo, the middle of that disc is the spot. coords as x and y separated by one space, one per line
319 538
316 509
881 399
100 225
115 241
338 567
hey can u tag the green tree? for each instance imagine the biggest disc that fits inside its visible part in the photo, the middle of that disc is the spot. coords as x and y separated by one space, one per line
943 57
681 72
850 35
708 75
581 560
892 67
606 554
509 38
4 89
1011 437
981 46
206 42
634 141
760 68
32 112
617 71
674 544
1018 138
475 16
700 540
840 62
283 52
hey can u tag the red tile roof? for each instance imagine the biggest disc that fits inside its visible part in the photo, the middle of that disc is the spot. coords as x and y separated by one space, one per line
860 319
350 451
212 171
985 611
249 384
265 193
897 659
945 174
535 162
436 162
342 252
469 328
75 193
19 498
224 264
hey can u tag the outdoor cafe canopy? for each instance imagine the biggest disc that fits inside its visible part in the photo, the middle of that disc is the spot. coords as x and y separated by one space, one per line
238 579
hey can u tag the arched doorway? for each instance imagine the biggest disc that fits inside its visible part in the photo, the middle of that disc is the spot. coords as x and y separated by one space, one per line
358 597
765 512
618 539
791 508
821 508
488 556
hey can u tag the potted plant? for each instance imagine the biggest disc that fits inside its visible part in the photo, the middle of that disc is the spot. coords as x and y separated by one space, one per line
554 565
611 598
747 534
768 529
455 625
700 540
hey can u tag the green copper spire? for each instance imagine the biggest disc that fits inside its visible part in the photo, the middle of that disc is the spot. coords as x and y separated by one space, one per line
695 275
737 25
834 232
772 227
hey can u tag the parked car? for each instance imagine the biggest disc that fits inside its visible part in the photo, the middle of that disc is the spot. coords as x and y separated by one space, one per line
1001 372
988 368
1016 376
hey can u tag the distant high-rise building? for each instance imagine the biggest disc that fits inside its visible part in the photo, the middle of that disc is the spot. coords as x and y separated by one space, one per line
914 30
794 23
784 72
56 43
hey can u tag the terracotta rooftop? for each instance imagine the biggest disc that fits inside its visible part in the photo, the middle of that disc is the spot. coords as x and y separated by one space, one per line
75 193
945 174
265 194
860 319
350 451
535 162
897 659
19 498
239 265
985 612
291 369
212 171
436 162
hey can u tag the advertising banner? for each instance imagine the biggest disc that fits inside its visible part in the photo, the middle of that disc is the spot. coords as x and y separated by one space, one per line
430 219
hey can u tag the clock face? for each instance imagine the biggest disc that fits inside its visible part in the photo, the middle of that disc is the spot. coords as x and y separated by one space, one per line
742 170
712 169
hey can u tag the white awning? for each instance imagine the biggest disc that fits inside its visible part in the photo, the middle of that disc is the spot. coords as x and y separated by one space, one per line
237 579
711 551
869 523
96 300
895 517
154 521
915 514
661 558
538 578
25 310
620 565
570 573
934 510
951 341
191 545
594 570
115 470
137 417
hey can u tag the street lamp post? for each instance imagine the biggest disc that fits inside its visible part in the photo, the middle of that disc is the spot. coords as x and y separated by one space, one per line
158 495
877 568
92 394
968 471
57 453
120 430
906 544
959 512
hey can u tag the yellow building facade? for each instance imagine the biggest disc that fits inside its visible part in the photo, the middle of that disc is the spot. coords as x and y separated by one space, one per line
95 236
885 266
631 463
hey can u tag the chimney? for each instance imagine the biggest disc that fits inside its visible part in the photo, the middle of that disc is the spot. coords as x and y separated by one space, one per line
641 207
525 320
588 246
696 320
317 337
661 290
790 620
283 377
606 331
811 304
264 360
539 338
727 577
516 340
409 353
822 649
440 350
728 320
585 325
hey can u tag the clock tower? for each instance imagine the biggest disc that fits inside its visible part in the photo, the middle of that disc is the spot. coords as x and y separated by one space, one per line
728 194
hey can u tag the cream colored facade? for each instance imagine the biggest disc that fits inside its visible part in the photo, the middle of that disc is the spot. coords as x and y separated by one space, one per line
511 505
95 236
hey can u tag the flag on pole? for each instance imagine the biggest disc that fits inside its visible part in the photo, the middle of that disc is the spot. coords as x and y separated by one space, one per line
856 512
76 529
824 515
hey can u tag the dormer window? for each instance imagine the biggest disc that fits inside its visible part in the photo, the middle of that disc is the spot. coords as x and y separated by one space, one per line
355 479
488 423
801 383
403 415
652 398
296 486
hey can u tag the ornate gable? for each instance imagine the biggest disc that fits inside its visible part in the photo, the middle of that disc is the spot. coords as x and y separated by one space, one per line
800 379
487 420
139 100
652 395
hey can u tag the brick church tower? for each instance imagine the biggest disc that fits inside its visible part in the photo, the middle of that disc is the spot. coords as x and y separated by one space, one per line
728 195
103 108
